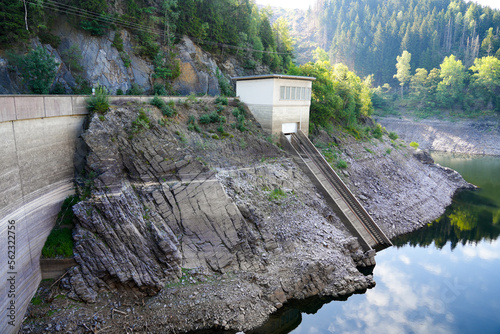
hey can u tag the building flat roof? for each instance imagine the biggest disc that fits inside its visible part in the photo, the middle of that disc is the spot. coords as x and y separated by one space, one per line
274 76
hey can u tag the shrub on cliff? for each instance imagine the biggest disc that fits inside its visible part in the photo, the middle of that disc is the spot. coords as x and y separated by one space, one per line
415 145
142 122
38 69
167 109
99 102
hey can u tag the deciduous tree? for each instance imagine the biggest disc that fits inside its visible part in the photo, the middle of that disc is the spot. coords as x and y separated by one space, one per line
403 69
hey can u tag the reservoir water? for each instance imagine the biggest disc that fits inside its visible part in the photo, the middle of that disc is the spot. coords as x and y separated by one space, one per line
443 278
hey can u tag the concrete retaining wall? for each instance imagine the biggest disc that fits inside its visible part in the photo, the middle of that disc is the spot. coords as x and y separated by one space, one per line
38 142
39 136
55 268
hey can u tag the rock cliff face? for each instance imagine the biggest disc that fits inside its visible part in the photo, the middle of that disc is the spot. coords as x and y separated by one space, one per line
102 63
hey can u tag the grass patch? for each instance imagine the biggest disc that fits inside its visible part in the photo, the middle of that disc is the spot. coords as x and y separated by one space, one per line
277 194
182 137
341 164
59 243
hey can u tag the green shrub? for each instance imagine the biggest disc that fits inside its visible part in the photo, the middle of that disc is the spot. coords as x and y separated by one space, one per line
414 145
393 135
221 100
240 114
213 117
72 57
225 86
388 151
168 111
126 59
193 125
97 27
220 109
341 164
277 194
118 42
205 119
142 122
47 38
135 90
58 89
38 70
159 89
99 102
377 131
119 91
157 102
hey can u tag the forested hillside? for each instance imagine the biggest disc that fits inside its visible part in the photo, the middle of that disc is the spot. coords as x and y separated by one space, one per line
368 35
432 54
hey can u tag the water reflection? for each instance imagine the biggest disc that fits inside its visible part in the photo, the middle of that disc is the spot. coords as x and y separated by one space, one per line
470 219
430 287
421 290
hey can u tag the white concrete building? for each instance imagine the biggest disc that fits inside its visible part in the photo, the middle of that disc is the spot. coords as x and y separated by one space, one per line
280 103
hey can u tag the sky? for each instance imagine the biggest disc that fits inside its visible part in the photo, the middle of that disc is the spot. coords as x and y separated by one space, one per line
304 4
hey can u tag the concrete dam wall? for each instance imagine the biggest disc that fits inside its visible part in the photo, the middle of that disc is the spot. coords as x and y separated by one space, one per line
38 142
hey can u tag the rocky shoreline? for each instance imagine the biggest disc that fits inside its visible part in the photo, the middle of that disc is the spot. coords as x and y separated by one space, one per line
467 136
185 232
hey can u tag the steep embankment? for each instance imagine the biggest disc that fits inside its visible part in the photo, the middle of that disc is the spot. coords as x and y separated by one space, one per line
400 187
479 136
190 226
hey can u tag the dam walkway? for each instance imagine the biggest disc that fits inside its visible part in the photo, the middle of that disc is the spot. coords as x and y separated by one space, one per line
352 214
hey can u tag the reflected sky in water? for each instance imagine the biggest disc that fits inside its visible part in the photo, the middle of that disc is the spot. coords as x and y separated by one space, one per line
421 290
442 279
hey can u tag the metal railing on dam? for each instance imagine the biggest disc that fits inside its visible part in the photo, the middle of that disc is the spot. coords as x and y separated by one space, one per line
352 214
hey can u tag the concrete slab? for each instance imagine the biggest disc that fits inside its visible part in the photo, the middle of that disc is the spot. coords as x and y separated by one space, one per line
29 107
79 105
58 106
7 109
